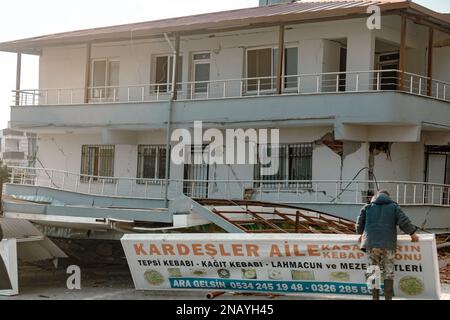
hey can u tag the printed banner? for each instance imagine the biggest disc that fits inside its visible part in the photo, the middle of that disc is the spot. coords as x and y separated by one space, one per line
275 263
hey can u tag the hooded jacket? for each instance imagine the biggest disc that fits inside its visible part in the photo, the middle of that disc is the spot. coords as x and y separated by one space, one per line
378 223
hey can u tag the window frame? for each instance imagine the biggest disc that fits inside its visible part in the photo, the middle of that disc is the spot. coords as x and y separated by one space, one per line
85 176
154 88
287 183
272 67
107 92
194 63
141 164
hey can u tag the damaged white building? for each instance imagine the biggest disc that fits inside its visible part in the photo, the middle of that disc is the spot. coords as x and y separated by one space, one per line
357 108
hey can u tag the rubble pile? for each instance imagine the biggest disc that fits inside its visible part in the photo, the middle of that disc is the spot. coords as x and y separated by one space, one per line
444 258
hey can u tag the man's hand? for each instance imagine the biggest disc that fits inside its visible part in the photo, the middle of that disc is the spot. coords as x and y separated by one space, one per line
359 239
414 238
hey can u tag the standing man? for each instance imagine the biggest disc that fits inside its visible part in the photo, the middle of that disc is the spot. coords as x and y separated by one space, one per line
377 225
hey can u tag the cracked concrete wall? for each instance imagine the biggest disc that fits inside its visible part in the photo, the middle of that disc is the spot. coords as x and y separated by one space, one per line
406 162
352 157
63 151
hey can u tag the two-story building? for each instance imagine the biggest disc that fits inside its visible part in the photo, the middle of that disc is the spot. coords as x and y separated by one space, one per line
358 108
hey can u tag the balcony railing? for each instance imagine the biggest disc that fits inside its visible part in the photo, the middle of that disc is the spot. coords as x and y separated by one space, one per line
311 191
317 83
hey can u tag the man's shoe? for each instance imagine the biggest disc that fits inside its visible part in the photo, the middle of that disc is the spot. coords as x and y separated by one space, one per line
375 294
388 289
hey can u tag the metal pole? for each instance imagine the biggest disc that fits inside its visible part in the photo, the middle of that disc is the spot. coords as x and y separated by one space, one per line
18 74
402 51
280 60
176 54
87 74
430 62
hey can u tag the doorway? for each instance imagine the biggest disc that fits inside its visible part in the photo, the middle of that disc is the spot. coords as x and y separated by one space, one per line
196 174
438 172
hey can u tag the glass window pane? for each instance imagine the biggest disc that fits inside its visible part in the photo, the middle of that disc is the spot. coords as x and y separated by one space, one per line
162 163
98 79
161 73
97 161
113 79
201 74
114 68
99 73
291 67
202 56
259 64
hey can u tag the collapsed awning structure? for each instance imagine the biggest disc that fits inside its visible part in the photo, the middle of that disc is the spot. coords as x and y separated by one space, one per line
242 216
32 245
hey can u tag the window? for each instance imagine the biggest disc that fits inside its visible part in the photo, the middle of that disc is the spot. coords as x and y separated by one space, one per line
295 163
202 66
151 162
105 78
164 71
262 63
97 160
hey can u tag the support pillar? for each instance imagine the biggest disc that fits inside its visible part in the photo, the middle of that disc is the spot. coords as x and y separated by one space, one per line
430 61
280 59
18 77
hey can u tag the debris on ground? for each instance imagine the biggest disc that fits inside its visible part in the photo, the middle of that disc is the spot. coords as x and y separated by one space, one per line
444 257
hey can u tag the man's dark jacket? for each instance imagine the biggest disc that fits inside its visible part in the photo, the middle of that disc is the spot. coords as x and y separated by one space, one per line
378 223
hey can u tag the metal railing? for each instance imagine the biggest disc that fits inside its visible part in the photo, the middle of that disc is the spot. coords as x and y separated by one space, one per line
314 83
298 191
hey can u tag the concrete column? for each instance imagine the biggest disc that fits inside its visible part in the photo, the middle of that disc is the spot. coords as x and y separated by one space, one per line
430 61
360 58
87 73
18 77
280 59
310 62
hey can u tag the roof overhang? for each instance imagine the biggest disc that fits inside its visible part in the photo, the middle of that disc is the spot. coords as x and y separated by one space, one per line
306 11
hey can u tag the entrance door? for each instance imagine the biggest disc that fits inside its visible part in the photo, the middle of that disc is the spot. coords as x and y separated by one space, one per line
389 79
201 72
438 171
196 176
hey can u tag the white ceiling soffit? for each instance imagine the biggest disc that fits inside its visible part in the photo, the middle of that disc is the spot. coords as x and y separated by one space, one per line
32 245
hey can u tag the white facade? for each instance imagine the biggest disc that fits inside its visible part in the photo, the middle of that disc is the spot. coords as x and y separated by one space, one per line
355 120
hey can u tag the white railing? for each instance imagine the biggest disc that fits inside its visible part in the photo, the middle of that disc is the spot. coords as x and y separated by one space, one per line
311 191
315 83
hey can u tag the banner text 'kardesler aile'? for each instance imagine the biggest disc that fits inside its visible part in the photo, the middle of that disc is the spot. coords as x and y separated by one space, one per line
249 250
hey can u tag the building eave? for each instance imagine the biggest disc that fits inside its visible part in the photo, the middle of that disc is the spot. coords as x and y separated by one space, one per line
290 13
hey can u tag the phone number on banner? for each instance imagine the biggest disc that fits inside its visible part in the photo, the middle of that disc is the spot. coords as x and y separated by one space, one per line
270 286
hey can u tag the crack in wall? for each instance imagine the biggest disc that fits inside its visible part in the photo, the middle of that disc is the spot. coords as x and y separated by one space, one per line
341 148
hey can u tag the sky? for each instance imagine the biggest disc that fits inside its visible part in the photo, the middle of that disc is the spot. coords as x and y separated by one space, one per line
27 18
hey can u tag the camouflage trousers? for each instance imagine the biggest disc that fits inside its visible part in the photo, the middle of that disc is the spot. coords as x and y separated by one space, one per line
383 258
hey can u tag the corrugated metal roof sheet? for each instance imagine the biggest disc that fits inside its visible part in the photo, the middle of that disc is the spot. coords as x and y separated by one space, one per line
287 12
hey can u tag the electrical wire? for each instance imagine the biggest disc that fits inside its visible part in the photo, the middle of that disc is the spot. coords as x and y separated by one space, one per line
354 178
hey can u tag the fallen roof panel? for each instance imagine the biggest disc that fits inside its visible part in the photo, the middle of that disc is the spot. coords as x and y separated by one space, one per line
265 217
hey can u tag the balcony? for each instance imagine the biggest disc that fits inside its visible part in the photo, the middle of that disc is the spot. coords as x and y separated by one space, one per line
346 100
303 84
287 191
427 204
